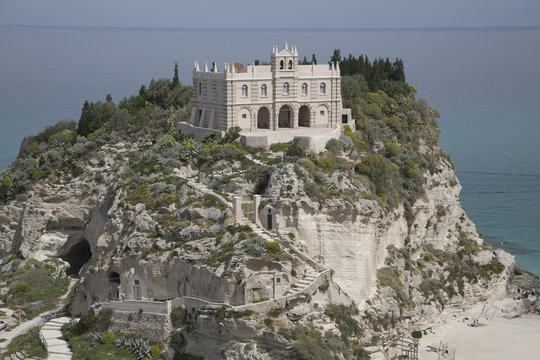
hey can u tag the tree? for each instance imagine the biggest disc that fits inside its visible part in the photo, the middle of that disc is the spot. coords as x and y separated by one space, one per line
175 80
313 59
336 57
232 134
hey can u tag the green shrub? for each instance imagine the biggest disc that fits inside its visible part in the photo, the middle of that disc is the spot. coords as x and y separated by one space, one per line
104 319
86 323
417 334
156 351
272 248
178 341
390 149
221 313
108 337
334 146
279 147
343 316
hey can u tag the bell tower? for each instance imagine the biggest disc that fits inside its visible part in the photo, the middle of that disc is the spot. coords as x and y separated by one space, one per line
285 60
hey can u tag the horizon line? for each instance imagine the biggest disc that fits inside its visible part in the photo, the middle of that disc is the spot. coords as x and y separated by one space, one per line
275 29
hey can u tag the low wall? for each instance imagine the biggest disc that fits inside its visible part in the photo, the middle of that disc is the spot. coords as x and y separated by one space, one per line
304 257
154 327
190 302
197 132
155 307
318 142
255 141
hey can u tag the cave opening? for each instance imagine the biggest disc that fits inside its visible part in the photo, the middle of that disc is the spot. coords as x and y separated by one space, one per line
77 255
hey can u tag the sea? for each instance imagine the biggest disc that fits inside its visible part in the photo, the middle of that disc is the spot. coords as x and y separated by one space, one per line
484 82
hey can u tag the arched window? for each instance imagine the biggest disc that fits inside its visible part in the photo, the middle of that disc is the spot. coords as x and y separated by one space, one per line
244 91
323 89
263 90
304 89
286 89
281 65
200 88
290 64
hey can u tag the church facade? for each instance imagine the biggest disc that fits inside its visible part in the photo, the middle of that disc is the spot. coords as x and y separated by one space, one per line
281 96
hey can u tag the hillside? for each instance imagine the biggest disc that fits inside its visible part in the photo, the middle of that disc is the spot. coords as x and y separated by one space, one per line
369 239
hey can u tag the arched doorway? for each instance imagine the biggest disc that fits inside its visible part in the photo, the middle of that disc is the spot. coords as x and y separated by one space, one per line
304 116
263 118
285 117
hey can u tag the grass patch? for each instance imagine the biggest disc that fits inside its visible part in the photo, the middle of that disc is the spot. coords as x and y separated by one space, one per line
29 343
34 288
84 349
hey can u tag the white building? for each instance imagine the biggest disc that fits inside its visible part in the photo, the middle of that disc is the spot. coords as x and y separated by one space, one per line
264 99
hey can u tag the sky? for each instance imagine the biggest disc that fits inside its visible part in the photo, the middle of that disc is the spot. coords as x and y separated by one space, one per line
272 13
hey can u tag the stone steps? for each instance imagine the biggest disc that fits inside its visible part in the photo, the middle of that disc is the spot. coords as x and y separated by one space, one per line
57 349
310 273
20 355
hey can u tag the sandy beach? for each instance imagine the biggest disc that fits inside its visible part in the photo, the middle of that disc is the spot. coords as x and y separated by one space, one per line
501 338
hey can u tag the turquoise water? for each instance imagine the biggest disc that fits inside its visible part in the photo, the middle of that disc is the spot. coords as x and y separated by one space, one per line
486 85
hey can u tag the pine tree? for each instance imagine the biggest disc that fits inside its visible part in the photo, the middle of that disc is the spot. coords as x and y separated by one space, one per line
313 59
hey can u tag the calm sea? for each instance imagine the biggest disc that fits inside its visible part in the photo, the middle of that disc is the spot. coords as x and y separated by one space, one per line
486 85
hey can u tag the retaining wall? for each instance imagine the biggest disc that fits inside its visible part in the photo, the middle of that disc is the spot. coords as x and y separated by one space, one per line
197 132
155 307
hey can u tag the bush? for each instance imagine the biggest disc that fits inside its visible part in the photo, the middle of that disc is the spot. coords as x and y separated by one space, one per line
178 342
342 315
178 316
279 147
156 351
272 248
334 146
417 334
108 337
295 148
104 319
85 324
390 149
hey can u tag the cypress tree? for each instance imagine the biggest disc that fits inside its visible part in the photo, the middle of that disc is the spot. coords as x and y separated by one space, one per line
175 80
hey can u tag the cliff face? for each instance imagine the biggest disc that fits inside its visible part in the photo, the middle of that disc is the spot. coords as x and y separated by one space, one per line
353 236
152 220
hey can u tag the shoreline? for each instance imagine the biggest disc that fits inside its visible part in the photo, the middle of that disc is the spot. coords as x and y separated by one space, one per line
500 338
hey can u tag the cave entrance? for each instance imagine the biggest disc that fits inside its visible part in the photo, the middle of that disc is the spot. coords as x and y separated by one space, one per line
77 255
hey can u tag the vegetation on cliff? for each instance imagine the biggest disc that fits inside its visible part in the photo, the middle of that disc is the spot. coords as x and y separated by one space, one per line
134 148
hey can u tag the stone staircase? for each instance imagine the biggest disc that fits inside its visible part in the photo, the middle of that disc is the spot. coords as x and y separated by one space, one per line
302 281
21 355
50 333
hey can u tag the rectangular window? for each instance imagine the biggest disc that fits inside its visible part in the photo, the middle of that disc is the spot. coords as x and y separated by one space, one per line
321 112
244 116
278 280
344 119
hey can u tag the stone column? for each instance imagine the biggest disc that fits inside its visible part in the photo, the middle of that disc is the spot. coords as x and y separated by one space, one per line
256 202
237 208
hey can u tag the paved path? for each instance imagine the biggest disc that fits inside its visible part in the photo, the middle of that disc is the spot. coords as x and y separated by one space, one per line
25 326
57 349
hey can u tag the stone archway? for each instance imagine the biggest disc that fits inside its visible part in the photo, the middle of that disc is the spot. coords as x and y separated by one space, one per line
263 118
285 117
304 116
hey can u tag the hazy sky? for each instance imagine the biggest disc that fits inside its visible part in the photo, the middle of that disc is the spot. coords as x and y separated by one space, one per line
272 13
